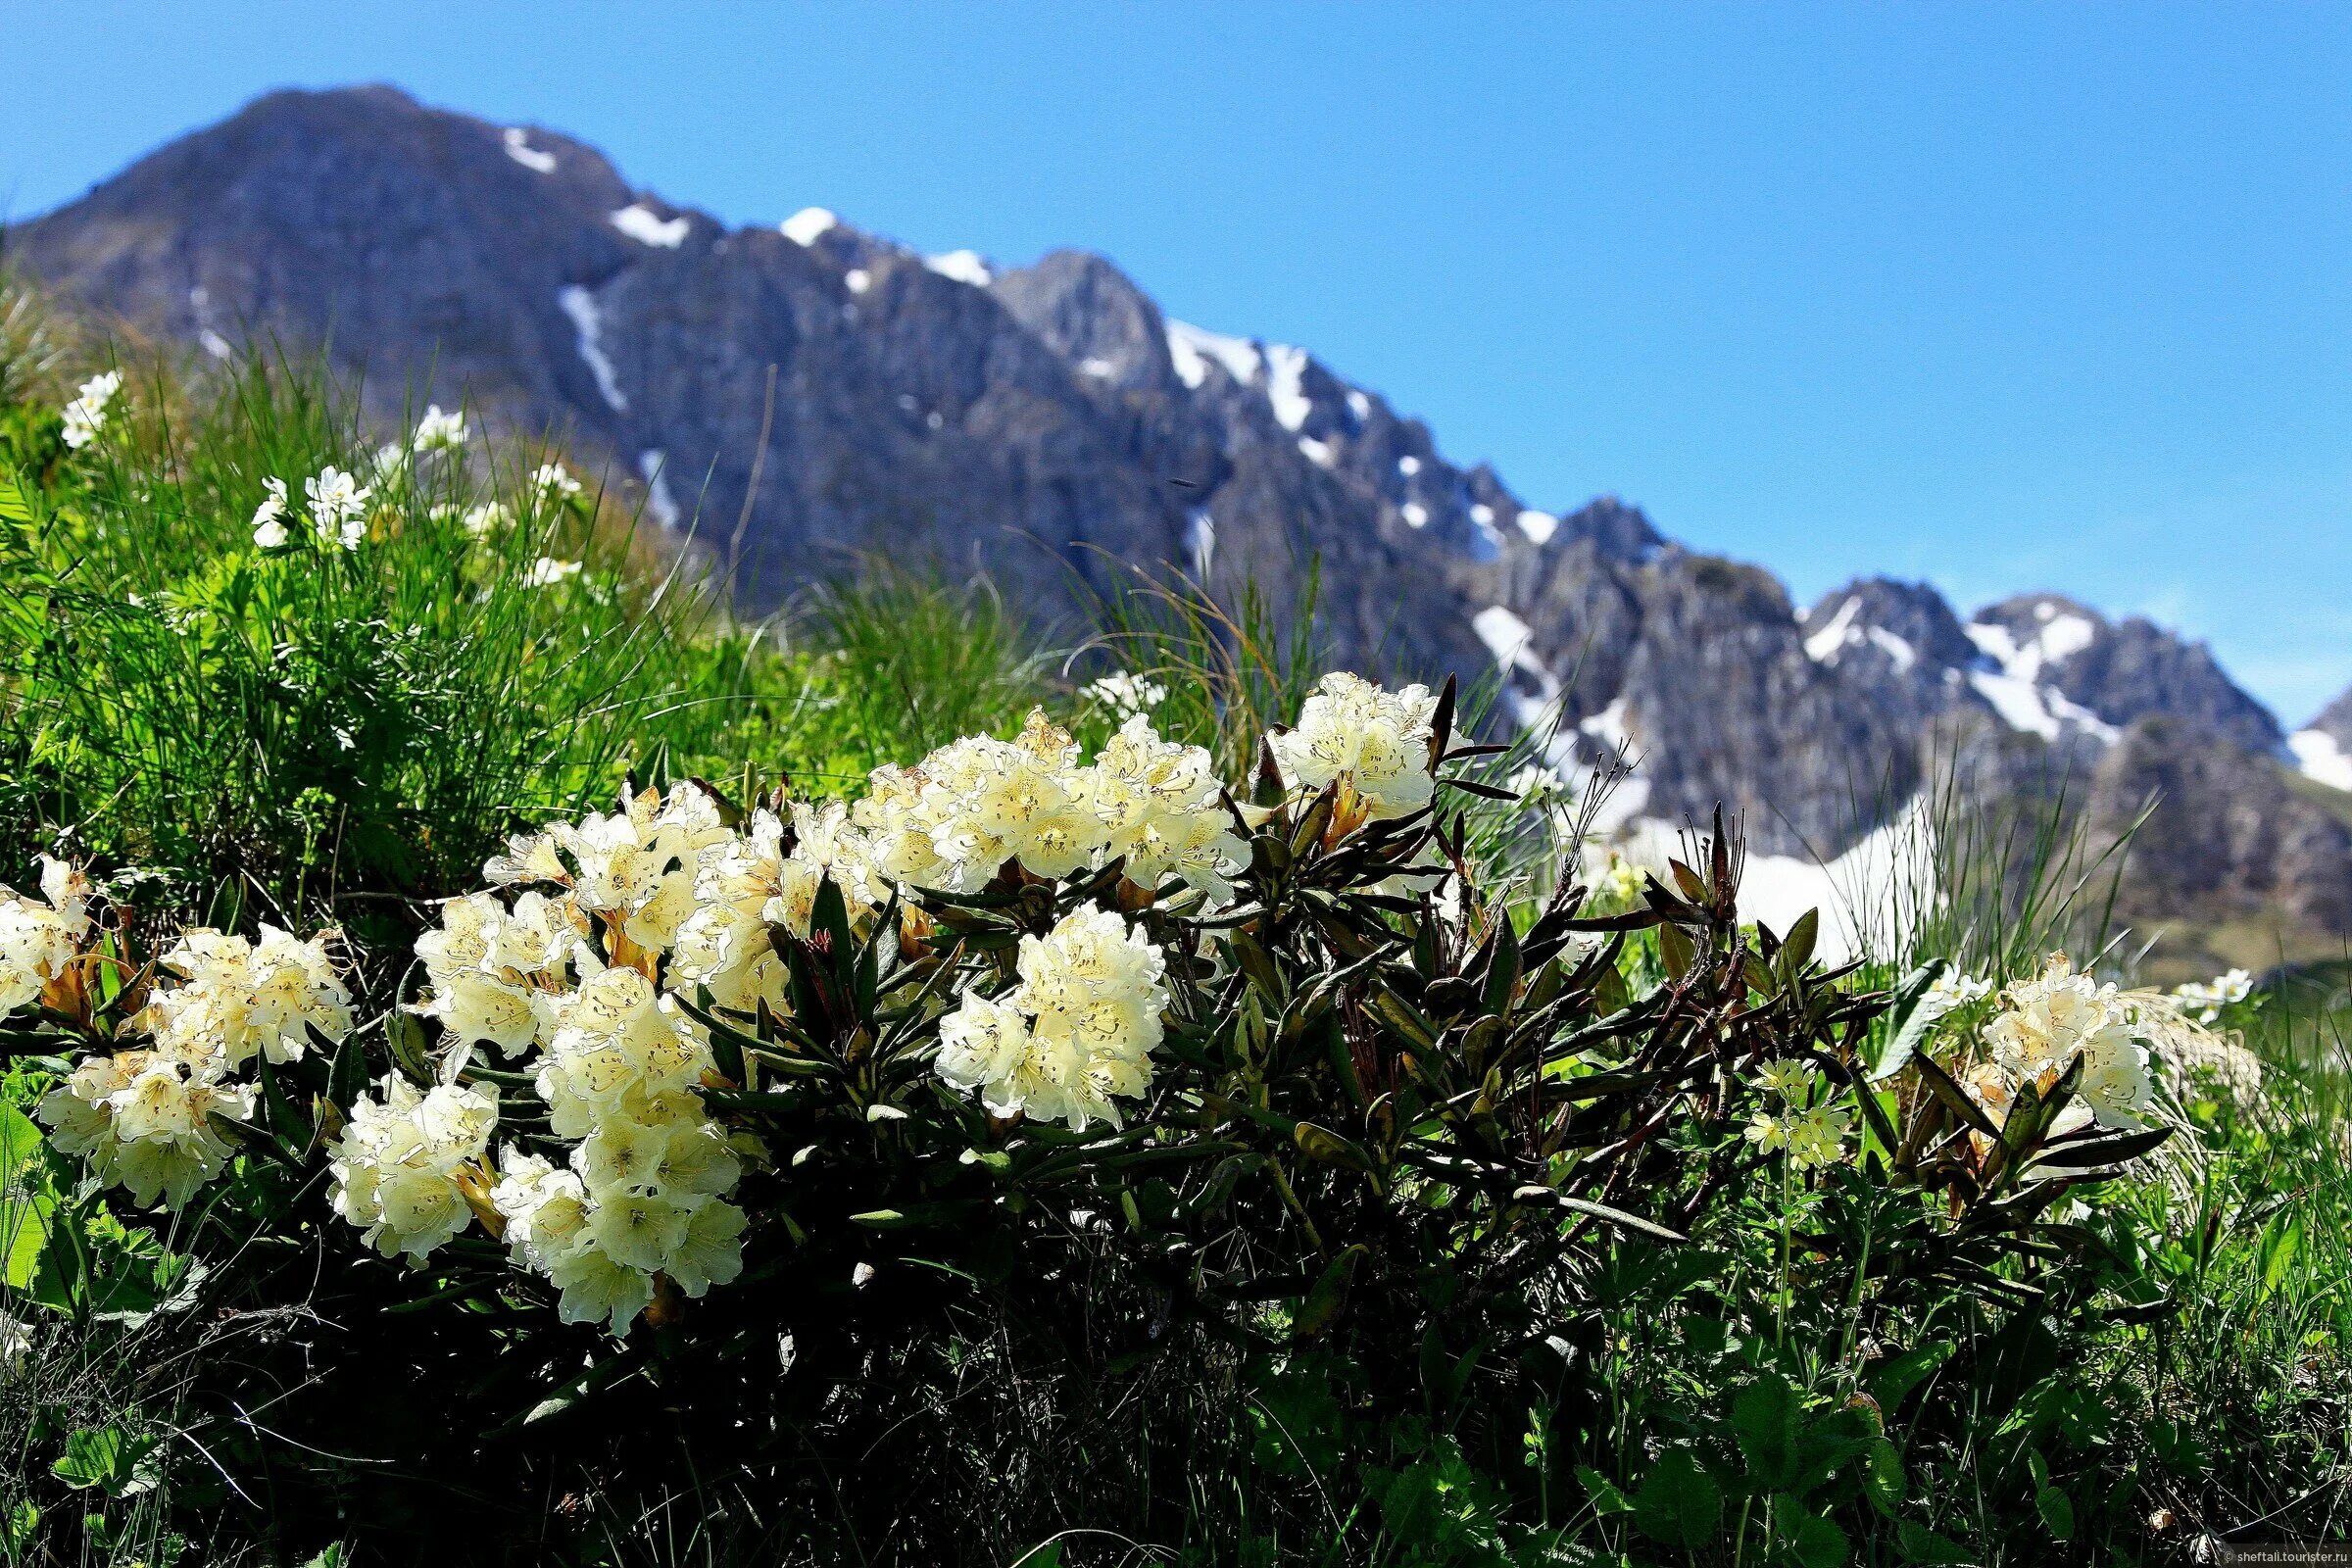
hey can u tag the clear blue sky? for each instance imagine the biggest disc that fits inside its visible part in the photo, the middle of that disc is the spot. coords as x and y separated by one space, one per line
2005 297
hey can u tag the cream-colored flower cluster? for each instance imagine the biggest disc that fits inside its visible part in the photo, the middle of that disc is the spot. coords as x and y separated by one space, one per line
612 914
242 998
1803 1122
968 809
1075 1036
144 1118
643 1196
1378 739
400 1164
144 1121
2038 1028
584 962
39 939
750 883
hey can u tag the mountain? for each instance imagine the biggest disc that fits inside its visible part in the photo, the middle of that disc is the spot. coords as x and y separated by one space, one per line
1047 423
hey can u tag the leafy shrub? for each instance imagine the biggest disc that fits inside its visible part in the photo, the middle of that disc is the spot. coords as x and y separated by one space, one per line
1279 1074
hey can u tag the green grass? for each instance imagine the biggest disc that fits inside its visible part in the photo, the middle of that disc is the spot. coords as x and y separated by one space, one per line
322 734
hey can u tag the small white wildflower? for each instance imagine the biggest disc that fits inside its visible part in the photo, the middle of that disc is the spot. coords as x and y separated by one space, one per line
16 1342
485 520
547 571
268 518
1127 693
338 508
438 431
2204 1000
86 415
552 482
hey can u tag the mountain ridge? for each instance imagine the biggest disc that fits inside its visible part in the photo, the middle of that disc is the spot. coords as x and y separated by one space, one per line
1043 422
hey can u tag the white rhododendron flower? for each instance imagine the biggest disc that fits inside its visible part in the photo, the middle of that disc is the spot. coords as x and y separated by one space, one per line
1074 1035
38 939
1377 739
747 883
898 822
637 867
496 974
143 1120
438 431
1952 991
1127 693
969 807
621 1048
2040 1025
643 1195
338 508
1164 811
1025 800
547 572
242 998
398 1164
270 518
550 481
86 415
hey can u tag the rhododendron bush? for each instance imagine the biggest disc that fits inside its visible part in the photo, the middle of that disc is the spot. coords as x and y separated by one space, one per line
697 1088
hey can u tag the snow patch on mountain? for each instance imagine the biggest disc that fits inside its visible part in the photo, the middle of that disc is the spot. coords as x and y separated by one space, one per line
1823 645
1285 386
2321 759
1192 350
1200 541
2015 688
646 227
809 226
587 324
963 266
658 498
518 147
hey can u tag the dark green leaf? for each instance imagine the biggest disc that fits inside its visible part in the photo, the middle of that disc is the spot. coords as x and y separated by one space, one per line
1678 1504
